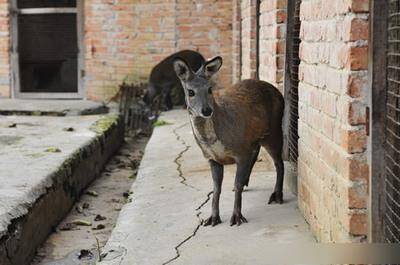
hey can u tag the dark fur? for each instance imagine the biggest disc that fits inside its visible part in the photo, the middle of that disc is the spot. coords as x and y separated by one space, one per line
231 126
246 117
163 78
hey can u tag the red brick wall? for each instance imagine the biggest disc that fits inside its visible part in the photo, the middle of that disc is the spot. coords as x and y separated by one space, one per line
127 38
272 41
124 38
332 166
206 26
248 41
272 21
5 90
236 41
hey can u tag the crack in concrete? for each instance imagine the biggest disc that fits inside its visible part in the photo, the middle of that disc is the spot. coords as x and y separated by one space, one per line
183 181
200 222
177 160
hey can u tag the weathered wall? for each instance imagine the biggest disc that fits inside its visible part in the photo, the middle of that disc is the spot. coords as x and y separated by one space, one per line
248 38
5 81
130 37
124 39
271 40
332 165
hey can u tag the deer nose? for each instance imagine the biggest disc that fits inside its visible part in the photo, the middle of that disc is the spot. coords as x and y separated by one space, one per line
206 111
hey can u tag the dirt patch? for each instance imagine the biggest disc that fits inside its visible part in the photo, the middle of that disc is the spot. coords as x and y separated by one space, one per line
86 229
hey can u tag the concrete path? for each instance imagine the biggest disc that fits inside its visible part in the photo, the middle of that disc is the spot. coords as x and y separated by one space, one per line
171 197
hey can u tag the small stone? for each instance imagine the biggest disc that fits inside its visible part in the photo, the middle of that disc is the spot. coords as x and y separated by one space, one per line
67 227
92 193
85 205
85 254
79 209
99 218
69 129
99 227
81 222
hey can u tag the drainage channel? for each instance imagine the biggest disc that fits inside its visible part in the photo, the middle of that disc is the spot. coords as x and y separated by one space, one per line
79 238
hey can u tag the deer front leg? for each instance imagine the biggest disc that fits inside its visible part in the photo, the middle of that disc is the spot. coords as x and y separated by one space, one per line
217 171
242 173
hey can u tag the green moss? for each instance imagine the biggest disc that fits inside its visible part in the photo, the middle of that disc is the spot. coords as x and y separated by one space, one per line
36 113
53 150
104 124
159 123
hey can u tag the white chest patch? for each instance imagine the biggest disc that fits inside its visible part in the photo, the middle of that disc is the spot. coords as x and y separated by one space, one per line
212 147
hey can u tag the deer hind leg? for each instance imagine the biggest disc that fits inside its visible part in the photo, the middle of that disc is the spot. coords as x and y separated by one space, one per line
274 149
254 157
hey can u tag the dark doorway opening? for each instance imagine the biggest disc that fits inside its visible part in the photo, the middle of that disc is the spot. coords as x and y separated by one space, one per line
48 53
291 92
46 48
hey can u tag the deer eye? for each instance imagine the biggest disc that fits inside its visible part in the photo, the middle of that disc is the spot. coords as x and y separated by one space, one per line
191 93
209 90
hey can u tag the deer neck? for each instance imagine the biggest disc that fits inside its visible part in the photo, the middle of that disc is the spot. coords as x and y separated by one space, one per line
204 129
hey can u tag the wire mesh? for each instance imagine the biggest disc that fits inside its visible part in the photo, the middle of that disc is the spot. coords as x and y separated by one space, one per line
293 68
391 218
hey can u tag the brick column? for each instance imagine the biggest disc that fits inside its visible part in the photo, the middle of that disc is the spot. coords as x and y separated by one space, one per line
249 32
5 78
236 41
272 41
332 166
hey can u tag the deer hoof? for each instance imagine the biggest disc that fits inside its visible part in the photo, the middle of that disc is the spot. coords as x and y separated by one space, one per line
277 197
212 220
237 219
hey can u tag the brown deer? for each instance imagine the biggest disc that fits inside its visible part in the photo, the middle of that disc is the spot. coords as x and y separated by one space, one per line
231 127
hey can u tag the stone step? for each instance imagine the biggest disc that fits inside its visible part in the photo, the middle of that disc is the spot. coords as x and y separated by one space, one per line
38 107
45 163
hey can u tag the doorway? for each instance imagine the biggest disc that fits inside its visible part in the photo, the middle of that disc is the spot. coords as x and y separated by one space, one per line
47 48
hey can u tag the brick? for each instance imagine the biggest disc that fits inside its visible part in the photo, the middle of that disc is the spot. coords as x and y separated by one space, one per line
356 113
358 58
354 141
356 6
358 196
357 85
358 224
357 169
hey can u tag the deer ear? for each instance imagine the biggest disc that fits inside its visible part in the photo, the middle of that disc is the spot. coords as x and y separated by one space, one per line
212 66
182 69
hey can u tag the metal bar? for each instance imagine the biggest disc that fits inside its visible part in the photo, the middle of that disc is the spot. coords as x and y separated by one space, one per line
46 10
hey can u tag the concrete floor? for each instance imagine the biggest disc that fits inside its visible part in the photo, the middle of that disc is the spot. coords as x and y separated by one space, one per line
45 162
171 197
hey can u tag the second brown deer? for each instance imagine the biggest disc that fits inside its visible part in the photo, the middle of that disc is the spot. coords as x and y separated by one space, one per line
231 126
